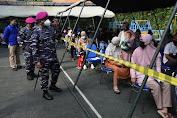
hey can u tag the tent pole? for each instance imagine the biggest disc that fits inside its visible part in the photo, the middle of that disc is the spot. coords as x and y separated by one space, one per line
72 32
60 18
152 62
93 22
91 44
66 20
69 22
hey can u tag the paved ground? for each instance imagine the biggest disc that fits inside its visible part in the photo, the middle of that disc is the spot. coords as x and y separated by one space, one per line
18 100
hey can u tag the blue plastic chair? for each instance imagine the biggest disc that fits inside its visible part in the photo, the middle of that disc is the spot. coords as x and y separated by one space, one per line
92 57
136 88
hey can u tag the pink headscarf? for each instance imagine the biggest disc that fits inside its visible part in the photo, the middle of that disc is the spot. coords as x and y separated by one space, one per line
83 33
144 56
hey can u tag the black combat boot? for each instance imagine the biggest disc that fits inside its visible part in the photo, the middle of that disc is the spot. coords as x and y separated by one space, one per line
54 88
33 74
29 77
46 95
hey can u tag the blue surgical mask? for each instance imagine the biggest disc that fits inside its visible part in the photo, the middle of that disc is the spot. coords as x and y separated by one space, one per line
83 37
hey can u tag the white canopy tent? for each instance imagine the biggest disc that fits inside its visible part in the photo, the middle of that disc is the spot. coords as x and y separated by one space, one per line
26 11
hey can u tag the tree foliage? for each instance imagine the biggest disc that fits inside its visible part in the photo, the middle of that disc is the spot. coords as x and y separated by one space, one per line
162 15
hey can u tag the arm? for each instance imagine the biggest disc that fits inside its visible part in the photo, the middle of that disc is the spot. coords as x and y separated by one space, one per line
35 46
114 63
133 72
158 63
120 34
89 42
158 66
21 37
6 34
168 57
167 52
79 48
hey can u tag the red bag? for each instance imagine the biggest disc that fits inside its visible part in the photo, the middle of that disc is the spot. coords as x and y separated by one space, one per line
80 61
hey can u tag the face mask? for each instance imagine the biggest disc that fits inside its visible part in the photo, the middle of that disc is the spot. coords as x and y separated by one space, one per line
83 37
15 23
32 25
47 23
142 44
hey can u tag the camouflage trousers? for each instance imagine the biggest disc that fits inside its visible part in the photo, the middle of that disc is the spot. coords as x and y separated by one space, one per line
52 66
30 66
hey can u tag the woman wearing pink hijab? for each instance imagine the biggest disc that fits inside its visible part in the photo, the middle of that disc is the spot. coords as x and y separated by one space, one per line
127 54
160 90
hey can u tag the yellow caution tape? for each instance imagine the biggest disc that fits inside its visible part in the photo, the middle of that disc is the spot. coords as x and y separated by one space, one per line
144 70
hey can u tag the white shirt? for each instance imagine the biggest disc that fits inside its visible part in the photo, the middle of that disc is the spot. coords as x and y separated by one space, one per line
170 48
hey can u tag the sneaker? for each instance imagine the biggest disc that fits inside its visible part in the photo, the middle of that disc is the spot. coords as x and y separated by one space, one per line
78 68
85 67
14 69
92 66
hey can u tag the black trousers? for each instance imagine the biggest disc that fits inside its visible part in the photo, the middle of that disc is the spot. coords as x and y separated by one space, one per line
72 51
172 63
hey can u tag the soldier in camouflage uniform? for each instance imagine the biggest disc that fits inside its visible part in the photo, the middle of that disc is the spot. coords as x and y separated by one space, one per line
24 39
44 54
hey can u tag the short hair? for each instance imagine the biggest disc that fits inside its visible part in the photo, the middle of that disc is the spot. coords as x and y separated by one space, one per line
12 18
129 33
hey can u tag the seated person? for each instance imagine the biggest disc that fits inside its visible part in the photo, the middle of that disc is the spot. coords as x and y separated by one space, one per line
120 71
102 38
161 91
84 41
170 54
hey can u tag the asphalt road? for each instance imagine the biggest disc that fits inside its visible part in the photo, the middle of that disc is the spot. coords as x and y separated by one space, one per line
18 100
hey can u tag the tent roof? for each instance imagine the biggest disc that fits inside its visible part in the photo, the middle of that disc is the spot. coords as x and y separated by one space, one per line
122 6
24 3
26 11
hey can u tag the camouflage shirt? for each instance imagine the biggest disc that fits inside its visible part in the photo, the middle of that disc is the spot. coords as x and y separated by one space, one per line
24 37
43 44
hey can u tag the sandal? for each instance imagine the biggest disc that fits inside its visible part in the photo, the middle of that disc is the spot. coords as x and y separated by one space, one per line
116 91
171 116
163 115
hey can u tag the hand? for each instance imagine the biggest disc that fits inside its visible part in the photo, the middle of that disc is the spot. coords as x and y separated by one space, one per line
133 80
25 47
38 65
120 43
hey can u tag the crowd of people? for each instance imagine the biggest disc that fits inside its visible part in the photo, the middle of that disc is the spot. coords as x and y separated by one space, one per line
38 42
139 49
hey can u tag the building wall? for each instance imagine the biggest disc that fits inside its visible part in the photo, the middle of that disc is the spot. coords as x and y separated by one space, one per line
52 0
66 0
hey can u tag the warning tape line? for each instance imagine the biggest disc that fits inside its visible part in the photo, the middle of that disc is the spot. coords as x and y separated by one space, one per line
144 70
